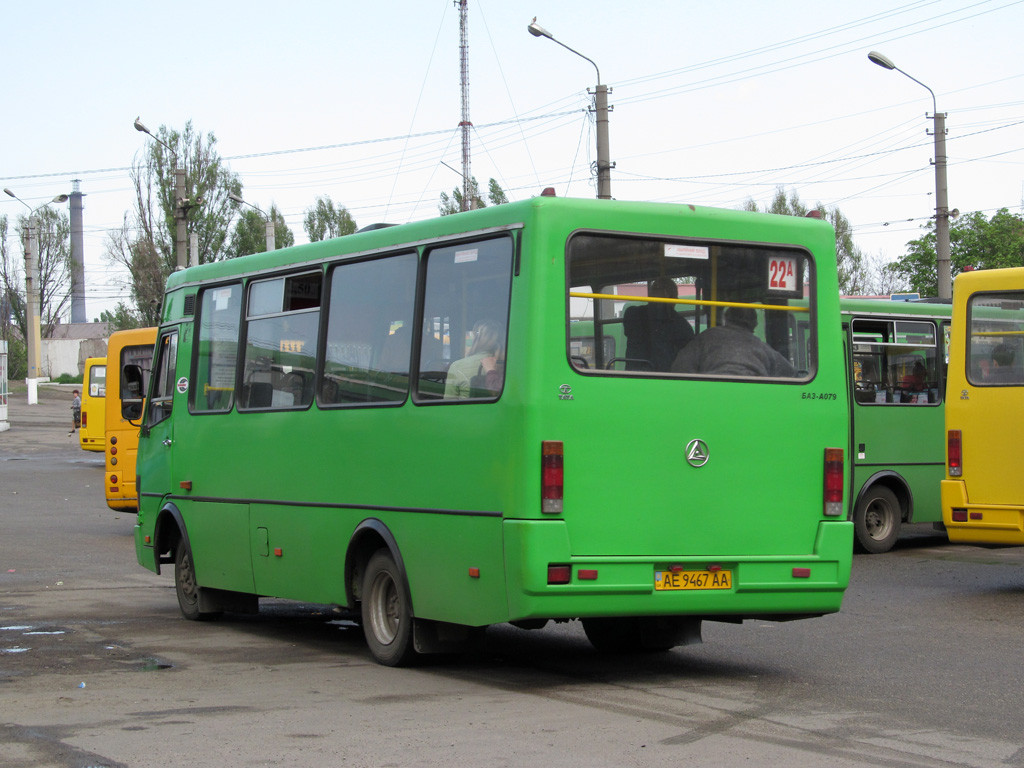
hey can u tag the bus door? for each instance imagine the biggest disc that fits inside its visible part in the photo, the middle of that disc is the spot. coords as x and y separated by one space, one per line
896 371
157 432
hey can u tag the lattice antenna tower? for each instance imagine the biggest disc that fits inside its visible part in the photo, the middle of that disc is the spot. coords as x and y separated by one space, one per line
465 124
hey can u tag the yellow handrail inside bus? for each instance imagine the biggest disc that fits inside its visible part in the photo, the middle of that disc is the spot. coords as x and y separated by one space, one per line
698 302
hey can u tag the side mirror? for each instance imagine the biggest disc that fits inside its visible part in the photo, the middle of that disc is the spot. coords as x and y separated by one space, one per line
131 392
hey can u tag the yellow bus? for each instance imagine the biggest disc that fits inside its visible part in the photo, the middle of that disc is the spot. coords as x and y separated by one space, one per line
134 347
983 491
92 434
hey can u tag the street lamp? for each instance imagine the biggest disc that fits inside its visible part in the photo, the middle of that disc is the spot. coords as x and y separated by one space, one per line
941 191
604 166
33 342
180 202
270 222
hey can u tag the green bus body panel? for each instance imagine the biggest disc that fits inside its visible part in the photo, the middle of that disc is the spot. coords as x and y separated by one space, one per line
458 485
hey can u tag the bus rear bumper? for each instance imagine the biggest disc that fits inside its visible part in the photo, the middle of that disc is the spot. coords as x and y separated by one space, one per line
763 586
968 523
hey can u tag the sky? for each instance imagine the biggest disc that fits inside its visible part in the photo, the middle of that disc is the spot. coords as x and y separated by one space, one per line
713 103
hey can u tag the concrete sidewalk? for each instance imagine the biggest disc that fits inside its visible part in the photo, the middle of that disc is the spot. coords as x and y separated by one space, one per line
43 426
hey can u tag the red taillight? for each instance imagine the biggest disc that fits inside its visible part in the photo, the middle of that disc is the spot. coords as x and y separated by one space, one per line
954 455
559 574
551 477
113 450
833 482
85 419
959 515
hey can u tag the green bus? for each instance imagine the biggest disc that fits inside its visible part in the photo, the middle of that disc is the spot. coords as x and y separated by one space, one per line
897 364
400 422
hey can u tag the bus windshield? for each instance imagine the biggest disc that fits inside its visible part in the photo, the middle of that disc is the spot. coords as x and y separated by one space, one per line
660 307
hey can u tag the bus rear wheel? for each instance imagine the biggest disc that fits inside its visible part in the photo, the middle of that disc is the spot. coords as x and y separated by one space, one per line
877 520
386 612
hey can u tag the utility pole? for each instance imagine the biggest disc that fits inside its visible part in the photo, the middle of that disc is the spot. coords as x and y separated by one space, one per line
33 342
465 124
78 314
604 164
181 203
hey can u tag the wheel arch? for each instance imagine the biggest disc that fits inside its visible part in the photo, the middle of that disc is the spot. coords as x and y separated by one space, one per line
896 483
168 534
369 536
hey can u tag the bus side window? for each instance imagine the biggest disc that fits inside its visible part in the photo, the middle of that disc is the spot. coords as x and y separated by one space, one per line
219 324
466 306
163 379
368 347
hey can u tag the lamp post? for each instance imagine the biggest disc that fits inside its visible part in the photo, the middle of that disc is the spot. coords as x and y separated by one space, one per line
269 220
33 340
604 166
941 191
180 202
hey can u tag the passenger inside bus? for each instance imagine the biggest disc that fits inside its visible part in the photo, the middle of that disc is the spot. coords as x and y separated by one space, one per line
655 332
732 349
1002 369
917 378
481 372
867 384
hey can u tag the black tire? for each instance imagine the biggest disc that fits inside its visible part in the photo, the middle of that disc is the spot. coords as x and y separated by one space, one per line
877 520
187 588
614 635
386 611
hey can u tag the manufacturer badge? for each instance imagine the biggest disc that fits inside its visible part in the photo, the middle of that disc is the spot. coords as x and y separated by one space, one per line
182 385
697 453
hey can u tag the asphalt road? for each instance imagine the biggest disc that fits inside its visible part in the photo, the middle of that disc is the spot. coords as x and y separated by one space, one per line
97 668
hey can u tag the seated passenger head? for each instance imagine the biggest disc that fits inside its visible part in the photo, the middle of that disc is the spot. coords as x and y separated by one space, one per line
1003 355
743 317
487 337
663 288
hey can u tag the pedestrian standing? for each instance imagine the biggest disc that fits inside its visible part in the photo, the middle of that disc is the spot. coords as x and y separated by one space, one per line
76 412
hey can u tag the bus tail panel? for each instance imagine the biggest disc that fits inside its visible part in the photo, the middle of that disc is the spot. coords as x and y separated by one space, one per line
537 554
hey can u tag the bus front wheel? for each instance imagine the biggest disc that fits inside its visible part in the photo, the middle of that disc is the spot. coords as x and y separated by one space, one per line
186 587
386 612
877 520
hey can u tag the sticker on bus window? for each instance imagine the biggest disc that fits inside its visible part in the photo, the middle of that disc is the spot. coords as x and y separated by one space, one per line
674 251
467 255
221 298
782 274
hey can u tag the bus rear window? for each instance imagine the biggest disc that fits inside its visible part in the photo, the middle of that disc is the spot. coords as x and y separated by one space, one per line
995 341
658 307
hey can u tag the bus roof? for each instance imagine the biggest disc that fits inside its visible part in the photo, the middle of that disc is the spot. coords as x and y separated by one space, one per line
655 218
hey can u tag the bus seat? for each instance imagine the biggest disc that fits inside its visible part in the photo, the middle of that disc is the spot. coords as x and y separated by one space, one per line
261 394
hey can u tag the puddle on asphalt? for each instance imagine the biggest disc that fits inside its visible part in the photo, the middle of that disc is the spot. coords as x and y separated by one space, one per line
16 649
154 665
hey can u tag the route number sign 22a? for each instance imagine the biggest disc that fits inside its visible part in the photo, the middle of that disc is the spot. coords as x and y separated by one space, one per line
782 274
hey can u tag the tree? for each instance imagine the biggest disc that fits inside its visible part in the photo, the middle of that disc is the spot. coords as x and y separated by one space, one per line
54 244
123 318
325 220
974 242
453 204
854 274
250 234
145 244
